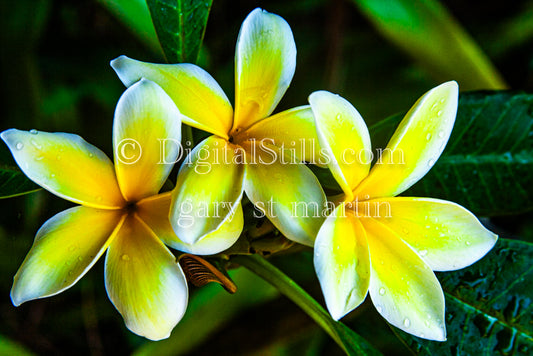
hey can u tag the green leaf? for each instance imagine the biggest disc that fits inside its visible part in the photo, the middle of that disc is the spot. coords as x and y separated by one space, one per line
350 342
428 33
14 183
180 27
205 316
135 15
487 165
489 308
8 347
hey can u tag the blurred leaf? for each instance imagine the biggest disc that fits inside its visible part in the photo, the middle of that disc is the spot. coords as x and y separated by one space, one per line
13 183
8 347
428 33
346 338
209 309
135 15
180 27
487 165
488 306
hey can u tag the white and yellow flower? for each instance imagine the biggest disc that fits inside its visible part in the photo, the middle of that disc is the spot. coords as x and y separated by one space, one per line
251 141
120 211
374 241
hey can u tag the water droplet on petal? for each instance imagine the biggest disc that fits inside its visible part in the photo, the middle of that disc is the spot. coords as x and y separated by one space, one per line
35 144
34 132
467 243
406 322
431 162
91 155
428 137
125 258
379 308
19 146
423 253
381 291
441 134
52 175
39 158
439 113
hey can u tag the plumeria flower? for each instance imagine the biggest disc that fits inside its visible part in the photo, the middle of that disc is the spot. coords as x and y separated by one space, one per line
250 151
120 211
374 241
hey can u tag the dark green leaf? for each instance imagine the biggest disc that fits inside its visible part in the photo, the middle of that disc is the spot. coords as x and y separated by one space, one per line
13 183
488 306
413 25
350 342
180 27
487 165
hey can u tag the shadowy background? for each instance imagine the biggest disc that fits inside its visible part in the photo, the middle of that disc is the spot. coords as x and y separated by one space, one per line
55 72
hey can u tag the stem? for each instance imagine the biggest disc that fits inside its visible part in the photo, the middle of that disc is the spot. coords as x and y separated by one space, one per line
291 290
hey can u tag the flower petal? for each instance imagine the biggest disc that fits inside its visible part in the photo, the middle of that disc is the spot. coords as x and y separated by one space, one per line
65 248
67 166
144 282
265 60
293 129
288 193
403 288
343 135
444 234
415 146
146 139
209 188
197 95
154 212
342 262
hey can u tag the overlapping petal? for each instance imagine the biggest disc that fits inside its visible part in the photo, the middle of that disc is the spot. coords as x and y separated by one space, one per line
342 262
402 286
265 61
154 212
293 130
343 134
209 188
146 139
415 146
288 194
65 248
144 282
444 234
197 95
66 165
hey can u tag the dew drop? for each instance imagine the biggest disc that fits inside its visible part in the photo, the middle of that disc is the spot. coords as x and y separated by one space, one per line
431 162
52 175
467 243
423 253
36 144
439 113
339 117
39 158
125 258
19 146
422 335
382 291
34 132
91 155
379 308
428 137
441 134
406 322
